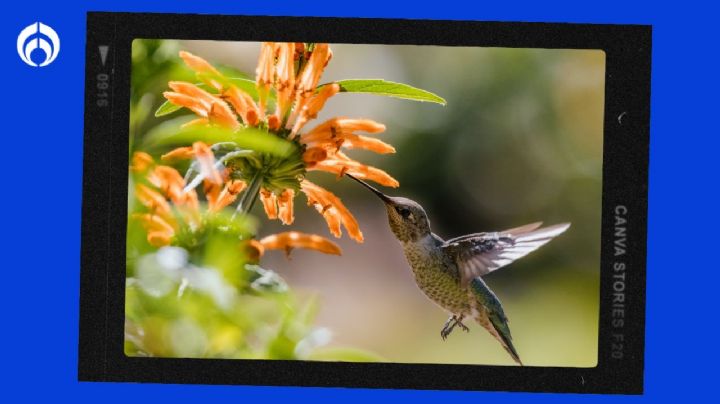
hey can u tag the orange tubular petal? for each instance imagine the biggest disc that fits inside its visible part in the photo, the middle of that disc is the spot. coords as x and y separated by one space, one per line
285 71
332 218
269 202
332 208
141 162
171 183
286 206
293 239
308 79
193 104
154 223
353 141
243 104
212 107
191 90
339 125
265 74
198 64
159 239
206 159
221 114
181 153
313 106
340 164
153 200
359 125
228 195
310 75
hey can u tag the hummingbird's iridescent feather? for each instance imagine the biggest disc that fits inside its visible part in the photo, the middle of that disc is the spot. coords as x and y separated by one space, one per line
488 312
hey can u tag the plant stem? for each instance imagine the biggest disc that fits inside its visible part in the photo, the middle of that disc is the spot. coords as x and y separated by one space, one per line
250 195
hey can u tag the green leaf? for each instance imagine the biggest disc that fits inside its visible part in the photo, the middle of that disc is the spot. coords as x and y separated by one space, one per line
248 138
244 84
166 108
390 89
341 354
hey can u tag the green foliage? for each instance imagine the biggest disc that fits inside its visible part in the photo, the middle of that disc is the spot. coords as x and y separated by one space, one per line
388 88
247 138
203 299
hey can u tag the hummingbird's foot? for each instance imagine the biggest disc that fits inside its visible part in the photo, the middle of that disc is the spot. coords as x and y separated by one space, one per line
450 325
462 326
447 328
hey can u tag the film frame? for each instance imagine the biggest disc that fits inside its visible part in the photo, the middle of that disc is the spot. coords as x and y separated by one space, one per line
624 203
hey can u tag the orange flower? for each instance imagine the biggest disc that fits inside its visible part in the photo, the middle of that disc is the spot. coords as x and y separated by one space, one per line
310 110
159 232
332 209
269 201
218 199
292 72
181 153
310 76
154 201
243 104
141 162
161 222
265 74
285 78
340 164
293 239
200 65
201 103
285 206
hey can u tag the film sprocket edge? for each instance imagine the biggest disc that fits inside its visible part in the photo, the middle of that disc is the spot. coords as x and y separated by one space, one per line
179 281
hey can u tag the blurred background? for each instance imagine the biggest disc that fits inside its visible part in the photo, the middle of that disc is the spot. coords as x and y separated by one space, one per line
520 140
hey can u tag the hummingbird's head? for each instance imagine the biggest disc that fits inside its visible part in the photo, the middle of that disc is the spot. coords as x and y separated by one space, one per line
408 220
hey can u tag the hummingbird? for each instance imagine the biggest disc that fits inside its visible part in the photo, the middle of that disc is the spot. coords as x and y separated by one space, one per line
449 272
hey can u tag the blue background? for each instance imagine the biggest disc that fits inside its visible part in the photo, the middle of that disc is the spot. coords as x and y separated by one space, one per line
42 118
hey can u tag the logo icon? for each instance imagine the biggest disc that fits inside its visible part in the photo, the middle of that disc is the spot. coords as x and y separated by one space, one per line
38 45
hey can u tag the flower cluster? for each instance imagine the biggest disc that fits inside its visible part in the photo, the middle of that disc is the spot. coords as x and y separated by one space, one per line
173 209
284 97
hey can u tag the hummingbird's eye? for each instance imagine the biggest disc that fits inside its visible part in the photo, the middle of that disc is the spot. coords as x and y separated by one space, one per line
404 212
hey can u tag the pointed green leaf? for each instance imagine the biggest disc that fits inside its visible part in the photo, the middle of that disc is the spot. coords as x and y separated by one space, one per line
390 89
166 108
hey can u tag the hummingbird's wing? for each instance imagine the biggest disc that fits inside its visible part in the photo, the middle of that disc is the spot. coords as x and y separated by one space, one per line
481 253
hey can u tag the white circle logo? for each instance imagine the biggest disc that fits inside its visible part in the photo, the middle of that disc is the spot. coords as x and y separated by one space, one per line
38 44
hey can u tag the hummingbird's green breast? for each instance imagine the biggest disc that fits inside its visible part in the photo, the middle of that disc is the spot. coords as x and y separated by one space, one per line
436 275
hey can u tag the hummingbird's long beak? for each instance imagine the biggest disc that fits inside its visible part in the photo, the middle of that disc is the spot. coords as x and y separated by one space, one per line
374 190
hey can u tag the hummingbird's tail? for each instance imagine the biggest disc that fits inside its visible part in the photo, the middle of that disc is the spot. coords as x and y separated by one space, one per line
488 312
501 327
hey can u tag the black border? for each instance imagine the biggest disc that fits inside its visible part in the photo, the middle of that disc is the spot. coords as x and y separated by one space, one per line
625 179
